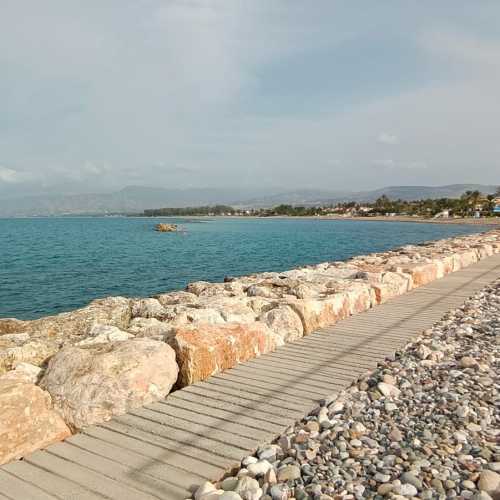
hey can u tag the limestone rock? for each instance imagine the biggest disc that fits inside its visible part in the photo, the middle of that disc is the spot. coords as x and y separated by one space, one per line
27 420
151 328
207 315
317 313
102 334
166 228
35 352
231 309
174 298
90 385
148 308
388 285
109 311
284 321
23 372
205 289
422 274
204 349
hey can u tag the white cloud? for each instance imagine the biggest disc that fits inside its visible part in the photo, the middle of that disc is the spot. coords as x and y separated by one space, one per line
96 168
400 165
386 138
10 176
384 163
203 86
462 47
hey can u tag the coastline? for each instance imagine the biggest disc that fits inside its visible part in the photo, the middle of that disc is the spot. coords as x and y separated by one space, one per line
138 350
484 221
491 221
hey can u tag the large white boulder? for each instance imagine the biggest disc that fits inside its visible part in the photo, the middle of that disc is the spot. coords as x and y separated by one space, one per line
91 384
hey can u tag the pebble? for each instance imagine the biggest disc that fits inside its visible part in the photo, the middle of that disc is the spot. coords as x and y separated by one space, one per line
248 489
230 495
259 468
388 390
229 484
408 490
409 478
422 424
288 473
489 482
384 489
382 478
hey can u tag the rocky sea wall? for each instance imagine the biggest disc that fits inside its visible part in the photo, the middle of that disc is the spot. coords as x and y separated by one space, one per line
61 373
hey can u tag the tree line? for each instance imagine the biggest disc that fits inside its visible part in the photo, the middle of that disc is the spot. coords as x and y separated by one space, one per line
200 211
465 206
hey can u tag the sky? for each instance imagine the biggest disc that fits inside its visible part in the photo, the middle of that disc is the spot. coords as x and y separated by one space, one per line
280 94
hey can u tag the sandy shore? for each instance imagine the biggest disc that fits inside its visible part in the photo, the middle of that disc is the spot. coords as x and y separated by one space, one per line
492 221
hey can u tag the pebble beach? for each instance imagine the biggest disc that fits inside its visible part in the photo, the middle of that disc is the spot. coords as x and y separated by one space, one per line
424 424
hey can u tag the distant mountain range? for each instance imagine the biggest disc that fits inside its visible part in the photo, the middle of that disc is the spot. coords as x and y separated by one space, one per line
135 199
408 193
132 199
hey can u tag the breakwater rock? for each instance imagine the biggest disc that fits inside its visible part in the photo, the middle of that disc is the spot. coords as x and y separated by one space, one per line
81 358
166 228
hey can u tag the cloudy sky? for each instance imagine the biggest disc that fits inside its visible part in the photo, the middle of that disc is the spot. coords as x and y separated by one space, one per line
290 94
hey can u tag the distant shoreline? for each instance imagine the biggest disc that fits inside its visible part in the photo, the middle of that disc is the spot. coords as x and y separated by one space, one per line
484 221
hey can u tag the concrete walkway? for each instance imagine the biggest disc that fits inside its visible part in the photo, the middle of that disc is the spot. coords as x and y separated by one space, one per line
167 448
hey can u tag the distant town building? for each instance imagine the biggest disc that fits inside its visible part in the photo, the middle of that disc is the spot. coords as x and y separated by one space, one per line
496 206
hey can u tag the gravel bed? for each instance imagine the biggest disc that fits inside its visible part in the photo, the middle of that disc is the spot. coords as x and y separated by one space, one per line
424 424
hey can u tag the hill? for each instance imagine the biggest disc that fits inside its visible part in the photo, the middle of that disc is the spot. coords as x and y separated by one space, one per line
407 193
131 199
136 199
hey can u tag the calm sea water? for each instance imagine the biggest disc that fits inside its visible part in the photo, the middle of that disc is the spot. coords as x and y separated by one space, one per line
49 265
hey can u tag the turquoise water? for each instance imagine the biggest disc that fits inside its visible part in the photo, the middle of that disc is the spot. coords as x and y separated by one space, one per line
50 265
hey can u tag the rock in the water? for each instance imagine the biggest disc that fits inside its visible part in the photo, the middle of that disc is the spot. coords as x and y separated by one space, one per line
90 385
27 420
166 228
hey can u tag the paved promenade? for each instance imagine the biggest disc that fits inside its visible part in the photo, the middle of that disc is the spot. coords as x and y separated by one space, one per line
201 431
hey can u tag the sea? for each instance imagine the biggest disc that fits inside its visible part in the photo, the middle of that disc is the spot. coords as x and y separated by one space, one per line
55 264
